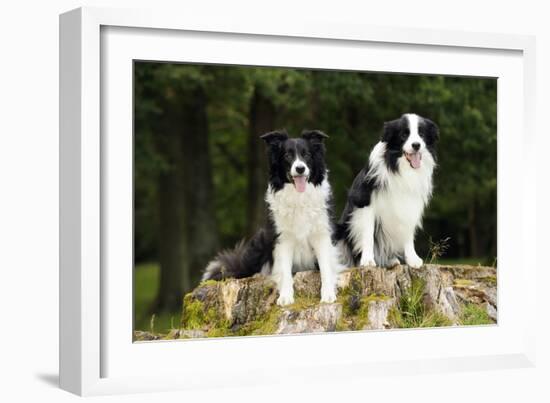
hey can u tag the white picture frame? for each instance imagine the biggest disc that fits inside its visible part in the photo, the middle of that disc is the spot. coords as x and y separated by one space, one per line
97 355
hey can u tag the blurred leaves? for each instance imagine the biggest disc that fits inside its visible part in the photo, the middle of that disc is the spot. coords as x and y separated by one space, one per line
351 108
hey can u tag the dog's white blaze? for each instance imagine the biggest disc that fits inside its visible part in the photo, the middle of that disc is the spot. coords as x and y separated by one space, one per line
303 224
396 210
299 163
414 136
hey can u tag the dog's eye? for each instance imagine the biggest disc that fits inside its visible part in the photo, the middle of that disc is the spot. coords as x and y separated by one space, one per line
305 154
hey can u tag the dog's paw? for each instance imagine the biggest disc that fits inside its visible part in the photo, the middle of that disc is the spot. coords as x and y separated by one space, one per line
414 261
394 262
285 299
328 295
367 260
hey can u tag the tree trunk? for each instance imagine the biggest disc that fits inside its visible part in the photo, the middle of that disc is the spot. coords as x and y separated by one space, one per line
188 235
173 265
262 120
171 240
200 225
472 229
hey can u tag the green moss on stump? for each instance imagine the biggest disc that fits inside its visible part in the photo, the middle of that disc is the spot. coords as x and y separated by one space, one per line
303 302
196 316
193 316
489 280
265 325
207 283
355 305
462 282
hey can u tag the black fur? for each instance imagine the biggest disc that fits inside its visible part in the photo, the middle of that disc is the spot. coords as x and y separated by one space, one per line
282 151
316 157
248 257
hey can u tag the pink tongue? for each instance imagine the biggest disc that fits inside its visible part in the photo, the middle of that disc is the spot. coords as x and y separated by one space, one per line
415 160
300 183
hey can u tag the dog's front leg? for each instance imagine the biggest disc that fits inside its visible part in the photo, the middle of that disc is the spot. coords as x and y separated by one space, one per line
411 258
367 237
282 271
327 259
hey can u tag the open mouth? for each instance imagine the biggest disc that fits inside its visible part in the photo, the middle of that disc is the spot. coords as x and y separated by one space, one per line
414 159
300 183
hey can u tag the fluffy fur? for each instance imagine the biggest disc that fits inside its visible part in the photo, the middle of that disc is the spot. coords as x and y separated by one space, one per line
298 235
387 198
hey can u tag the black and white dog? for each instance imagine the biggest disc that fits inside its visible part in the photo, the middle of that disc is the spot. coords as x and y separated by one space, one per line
299 230
387 199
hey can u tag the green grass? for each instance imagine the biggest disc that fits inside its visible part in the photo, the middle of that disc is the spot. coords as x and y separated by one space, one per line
411 312
146 282
474 315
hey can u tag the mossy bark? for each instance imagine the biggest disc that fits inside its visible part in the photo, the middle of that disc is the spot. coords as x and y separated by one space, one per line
368 298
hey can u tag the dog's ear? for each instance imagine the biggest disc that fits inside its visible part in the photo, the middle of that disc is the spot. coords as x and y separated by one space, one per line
275 137
317 147
432 131
391 129
314 136
277 172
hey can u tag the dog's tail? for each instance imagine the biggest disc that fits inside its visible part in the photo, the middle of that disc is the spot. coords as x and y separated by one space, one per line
245 260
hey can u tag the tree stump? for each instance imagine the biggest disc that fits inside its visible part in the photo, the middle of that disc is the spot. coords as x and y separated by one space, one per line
369 298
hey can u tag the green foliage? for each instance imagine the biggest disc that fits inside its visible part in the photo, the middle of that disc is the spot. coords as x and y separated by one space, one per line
351 107
474 315
412 312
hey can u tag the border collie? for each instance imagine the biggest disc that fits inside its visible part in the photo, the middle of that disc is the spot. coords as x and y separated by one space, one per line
387 198
298 234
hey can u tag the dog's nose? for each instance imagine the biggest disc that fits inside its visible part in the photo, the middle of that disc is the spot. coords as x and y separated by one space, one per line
416 146
300 169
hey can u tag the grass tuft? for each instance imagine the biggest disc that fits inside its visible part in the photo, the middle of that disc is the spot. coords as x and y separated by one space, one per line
411 311
474 315
437 249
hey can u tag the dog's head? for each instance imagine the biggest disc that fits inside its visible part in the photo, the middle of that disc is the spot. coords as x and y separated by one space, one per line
410 138
296 160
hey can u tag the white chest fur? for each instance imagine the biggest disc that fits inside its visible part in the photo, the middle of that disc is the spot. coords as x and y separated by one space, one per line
299 217
400 202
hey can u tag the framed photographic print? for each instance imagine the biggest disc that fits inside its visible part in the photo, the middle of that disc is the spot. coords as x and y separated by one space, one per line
233 195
